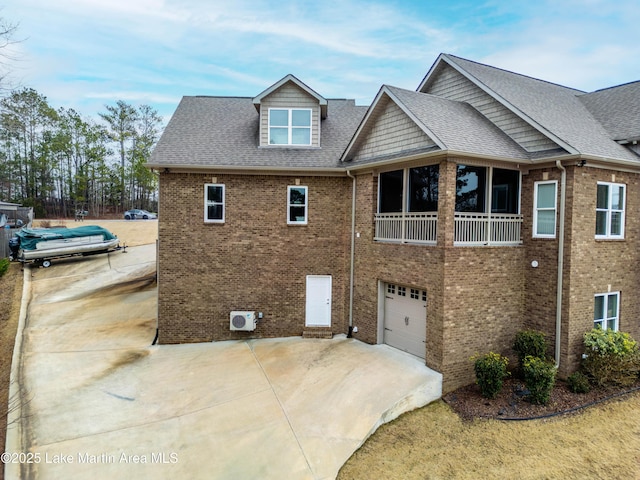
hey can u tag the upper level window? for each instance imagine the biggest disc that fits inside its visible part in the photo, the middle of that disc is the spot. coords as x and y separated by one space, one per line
610 210
606 311
214 203
411 190
289 126
544 210
297 205
474 183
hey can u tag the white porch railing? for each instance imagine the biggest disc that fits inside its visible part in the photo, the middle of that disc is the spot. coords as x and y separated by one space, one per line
407 227
473 229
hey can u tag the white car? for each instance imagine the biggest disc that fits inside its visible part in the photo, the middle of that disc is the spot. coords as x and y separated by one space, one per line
137 213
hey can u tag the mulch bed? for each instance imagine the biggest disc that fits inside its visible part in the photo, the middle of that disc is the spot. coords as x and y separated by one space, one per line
511 403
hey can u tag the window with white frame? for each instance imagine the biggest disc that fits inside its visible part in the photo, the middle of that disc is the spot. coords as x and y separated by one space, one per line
289 126
297 203
544 210
610 210
606 311
214 203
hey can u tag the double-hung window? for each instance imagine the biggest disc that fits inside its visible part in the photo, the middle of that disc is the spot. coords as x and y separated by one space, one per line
610 210
214 203
545 204
297 205
606 311
289 126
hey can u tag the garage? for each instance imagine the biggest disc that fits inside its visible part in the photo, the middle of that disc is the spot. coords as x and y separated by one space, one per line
405 319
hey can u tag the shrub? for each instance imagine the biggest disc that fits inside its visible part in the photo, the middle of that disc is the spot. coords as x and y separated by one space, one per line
612 358
530 343
490 369
539 377
578 382
4 266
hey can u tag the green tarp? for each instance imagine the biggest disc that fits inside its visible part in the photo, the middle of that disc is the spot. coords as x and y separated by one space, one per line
29 237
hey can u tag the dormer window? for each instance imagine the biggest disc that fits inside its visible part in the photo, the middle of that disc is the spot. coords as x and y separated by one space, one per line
289 126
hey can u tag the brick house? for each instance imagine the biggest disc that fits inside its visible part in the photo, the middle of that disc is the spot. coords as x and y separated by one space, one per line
439 221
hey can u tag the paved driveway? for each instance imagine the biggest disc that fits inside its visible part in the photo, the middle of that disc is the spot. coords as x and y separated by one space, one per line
100 402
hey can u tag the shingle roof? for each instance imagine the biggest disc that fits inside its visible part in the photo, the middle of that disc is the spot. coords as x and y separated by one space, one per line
617 109
555 109
223 132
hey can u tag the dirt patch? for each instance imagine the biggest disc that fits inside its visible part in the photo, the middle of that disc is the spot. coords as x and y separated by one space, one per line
10 295
130 232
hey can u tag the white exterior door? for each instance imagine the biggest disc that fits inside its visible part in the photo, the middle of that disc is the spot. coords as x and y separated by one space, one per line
318 306
405 319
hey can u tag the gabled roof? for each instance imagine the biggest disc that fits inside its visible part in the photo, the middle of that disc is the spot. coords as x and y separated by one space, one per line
617 109
554 110
222 132
455 127
290 78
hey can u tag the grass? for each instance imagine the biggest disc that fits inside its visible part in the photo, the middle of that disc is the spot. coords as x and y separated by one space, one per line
602 442
10 295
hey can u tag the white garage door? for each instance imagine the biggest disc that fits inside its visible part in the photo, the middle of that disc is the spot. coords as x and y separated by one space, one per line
405 319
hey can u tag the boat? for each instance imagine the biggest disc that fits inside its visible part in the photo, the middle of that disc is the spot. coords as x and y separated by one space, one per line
42 244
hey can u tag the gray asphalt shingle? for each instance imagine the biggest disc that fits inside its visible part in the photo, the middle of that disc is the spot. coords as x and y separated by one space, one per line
223 132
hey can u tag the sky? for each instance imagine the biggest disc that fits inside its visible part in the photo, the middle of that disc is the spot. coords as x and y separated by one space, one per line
85 54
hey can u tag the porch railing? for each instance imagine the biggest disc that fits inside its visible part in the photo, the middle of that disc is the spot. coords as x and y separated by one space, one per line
474 229
407 227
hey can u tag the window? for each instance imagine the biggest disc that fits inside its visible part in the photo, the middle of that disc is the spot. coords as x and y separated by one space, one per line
544 210
297 205
289 126
610 210
606 310
421 190
472 188
214 203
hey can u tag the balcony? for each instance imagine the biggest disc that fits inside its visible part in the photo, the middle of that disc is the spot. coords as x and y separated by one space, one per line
471 229
407 227
487 229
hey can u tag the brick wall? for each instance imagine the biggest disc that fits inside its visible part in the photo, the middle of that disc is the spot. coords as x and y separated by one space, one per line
254 261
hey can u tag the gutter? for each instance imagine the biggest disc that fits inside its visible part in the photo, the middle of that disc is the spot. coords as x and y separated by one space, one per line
563 193
353 248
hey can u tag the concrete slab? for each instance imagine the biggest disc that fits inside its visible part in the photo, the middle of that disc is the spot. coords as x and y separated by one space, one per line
101 402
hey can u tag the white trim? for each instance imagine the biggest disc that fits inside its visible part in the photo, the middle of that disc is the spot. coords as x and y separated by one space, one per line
604 320
609 210
536 209
305 205
207 203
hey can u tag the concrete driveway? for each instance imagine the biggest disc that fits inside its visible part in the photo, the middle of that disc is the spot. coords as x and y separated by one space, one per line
100 402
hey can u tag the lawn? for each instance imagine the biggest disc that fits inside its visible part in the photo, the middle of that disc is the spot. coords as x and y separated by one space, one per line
600 442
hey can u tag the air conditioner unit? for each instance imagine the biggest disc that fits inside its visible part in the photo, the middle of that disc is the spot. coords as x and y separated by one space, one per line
243 321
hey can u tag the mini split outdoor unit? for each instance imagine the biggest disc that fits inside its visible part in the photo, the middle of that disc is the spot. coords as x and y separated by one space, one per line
243 321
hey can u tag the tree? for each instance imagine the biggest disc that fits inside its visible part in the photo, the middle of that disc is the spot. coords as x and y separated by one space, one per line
121 121
7 32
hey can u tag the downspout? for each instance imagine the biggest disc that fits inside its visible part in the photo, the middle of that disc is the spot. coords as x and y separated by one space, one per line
353 248
563 192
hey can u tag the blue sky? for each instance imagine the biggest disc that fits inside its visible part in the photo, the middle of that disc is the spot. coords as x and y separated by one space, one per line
84 54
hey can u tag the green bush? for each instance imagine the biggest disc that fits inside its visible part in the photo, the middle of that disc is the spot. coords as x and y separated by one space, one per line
612 358
490 369
4 266
539 377
530 343
578 382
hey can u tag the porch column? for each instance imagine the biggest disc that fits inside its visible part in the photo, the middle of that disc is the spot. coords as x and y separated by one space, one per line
446 203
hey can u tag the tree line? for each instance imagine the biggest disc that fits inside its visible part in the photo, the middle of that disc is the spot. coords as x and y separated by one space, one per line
59 162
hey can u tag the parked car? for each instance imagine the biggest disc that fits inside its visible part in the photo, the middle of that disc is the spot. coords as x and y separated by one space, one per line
137 213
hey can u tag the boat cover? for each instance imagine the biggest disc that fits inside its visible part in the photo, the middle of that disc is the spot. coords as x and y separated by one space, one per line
29 237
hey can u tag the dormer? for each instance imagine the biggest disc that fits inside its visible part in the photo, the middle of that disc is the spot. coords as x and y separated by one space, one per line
290 115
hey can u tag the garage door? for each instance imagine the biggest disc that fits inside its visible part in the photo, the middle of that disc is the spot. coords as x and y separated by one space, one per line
405 319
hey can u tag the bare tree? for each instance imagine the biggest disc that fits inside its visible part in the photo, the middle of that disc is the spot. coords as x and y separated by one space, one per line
7 38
